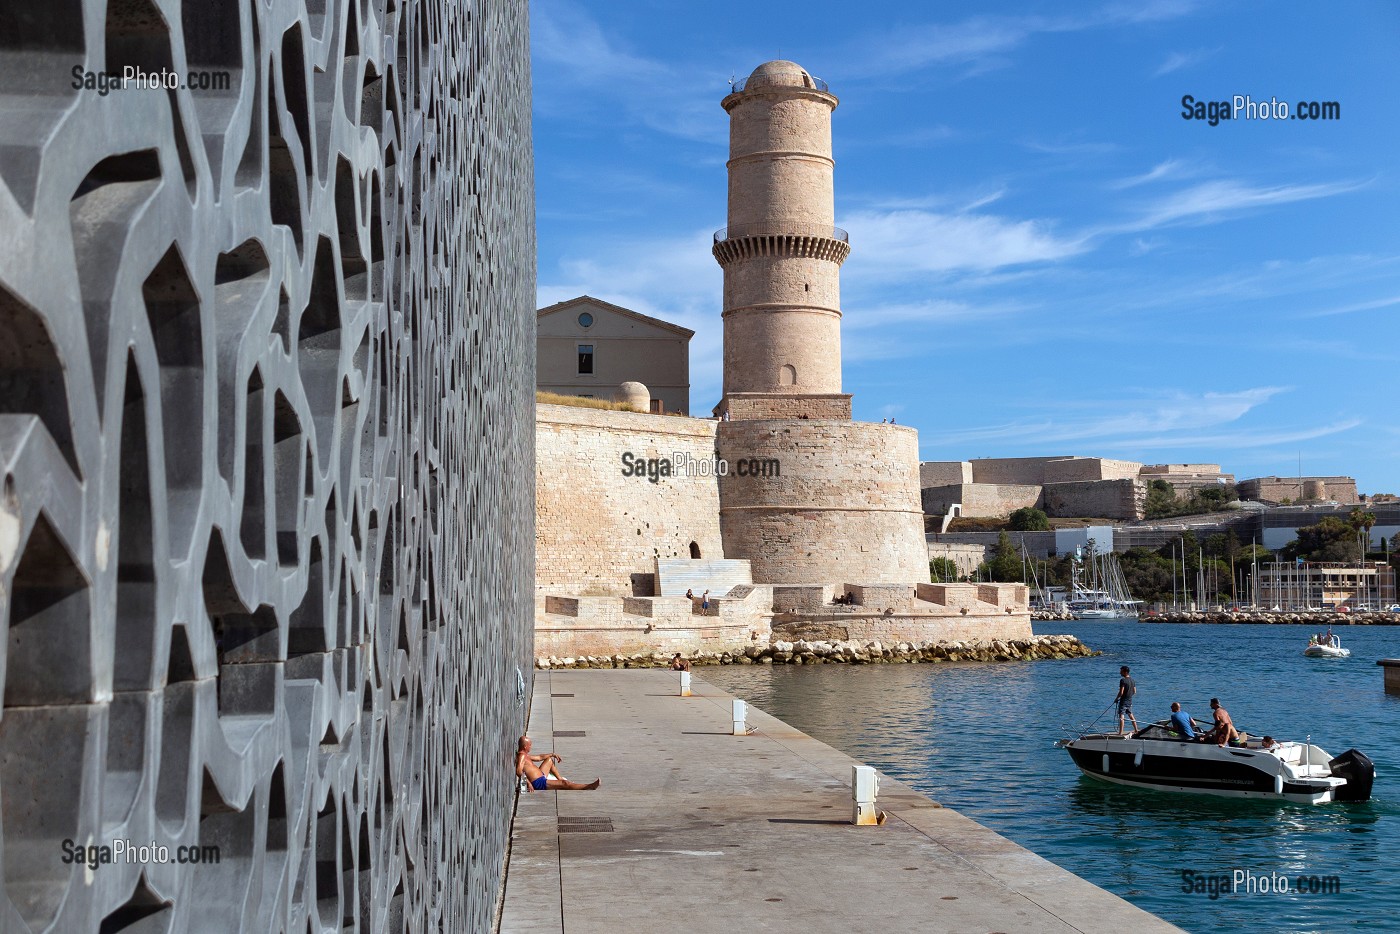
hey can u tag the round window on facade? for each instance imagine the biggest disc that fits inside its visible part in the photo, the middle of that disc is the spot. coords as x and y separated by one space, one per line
585 320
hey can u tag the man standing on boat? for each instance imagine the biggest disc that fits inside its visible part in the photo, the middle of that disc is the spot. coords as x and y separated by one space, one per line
1126 689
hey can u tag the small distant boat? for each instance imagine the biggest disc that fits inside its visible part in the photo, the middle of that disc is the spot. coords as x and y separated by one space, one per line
1158 757
1326 647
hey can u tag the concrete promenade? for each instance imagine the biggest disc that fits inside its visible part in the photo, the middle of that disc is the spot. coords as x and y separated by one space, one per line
696 831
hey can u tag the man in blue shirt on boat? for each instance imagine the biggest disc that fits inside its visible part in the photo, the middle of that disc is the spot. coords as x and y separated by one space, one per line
1183 722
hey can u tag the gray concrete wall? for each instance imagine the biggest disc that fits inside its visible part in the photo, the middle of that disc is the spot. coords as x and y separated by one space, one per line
266 506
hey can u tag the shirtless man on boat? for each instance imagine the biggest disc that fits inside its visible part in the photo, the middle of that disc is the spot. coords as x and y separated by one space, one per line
1224 730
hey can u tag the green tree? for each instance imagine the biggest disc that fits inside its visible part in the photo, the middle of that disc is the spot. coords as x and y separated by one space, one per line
1029 519
1329 540
943 570
1161 500
1148 574
1004 565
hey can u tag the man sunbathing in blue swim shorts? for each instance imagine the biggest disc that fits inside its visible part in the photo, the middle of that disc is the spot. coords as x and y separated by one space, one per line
542 771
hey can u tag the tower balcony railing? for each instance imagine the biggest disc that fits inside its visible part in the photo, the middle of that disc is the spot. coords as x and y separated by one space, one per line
781 230
810 80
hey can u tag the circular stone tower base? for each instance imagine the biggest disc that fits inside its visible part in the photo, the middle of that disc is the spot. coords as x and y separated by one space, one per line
811 501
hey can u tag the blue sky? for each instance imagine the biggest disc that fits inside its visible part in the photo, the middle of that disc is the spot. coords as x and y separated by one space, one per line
1046 257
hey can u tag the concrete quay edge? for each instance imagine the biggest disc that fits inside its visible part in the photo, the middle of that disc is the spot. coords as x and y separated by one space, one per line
711 833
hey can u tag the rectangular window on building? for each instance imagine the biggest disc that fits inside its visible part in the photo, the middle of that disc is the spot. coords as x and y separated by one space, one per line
585 359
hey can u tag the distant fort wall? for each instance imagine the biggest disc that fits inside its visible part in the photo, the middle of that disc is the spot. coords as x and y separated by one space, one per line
1277 489
843 503
944 473
981 499
1106 499
599 531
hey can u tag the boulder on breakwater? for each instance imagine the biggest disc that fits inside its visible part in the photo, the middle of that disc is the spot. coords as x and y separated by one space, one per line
803 652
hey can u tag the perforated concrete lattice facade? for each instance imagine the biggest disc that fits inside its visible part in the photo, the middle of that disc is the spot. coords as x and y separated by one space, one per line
266 460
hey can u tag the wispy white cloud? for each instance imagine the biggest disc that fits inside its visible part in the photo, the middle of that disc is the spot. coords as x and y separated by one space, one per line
1179 60
1065 146
1236 440
1217 200
1167 417
1167 169
983 43
905 243
1374 305
664 96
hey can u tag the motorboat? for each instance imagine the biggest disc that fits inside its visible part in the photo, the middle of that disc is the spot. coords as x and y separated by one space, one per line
1326 647
1159 757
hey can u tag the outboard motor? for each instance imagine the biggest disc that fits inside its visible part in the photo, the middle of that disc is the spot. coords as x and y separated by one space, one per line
1358 770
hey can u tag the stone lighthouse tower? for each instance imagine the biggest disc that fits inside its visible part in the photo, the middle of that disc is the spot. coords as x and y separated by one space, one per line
813 497
781 251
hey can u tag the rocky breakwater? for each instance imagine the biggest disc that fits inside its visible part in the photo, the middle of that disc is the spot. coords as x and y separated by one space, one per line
1051 615
1322 619
803 652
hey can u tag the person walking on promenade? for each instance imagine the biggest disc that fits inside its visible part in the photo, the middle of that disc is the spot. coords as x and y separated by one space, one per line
1127 687
542 771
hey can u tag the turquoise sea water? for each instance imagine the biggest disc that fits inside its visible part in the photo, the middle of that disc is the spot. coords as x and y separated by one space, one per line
980 738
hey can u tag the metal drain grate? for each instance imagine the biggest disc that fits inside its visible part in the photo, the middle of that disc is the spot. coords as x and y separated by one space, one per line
585 825
570 733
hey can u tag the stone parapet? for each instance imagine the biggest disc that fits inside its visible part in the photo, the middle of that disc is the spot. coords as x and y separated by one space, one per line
771 405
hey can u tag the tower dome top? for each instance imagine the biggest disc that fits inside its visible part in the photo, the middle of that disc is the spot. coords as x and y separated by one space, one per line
780 73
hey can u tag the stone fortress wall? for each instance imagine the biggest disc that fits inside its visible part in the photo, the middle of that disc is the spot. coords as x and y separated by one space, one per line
1064 487
980 499
263 353
600 532
1276 489
595 590
843 507
1109 499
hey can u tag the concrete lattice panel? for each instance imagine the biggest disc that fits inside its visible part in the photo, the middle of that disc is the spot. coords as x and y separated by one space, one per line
266 515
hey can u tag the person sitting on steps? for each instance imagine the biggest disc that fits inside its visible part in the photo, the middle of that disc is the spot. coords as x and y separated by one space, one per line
542 771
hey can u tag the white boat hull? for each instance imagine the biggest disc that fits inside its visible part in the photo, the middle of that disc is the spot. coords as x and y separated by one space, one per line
1297 772
1326 651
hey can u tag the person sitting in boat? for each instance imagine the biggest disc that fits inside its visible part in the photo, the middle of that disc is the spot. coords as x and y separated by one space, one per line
1224 731
1269 744
1184 723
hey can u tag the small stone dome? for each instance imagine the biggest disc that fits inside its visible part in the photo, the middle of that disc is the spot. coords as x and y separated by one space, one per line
634 394
779 73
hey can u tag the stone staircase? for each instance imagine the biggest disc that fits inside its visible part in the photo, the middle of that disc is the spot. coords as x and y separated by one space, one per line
717 575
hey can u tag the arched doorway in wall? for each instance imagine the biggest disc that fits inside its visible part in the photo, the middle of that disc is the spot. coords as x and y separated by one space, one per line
694 550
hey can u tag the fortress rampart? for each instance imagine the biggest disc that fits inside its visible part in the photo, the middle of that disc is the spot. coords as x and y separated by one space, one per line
599 531
843 506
